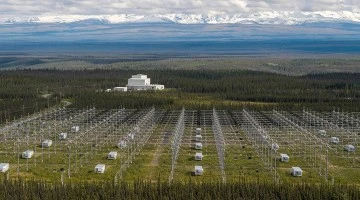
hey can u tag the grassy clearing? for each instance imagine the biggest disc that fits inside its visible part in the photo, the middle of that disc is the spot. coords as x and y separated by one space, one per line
153 162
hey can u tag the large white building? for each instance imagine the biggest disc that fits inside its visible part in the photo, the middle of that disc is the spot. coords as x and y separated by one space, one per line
142 82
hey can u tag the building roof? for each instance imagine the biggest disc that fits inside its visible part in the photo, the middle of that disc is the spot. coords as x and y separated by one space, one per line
297 169
139 76
151 85
3 164
100 165
197 167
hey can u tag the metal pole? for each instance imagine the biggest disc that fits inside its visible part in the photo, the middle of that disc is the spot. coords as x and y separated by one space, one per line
69 161
275 181
327 164
18 160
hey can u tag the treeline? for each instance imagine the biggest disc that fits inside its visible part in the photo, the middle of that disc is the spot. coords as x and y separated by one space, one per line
34 190
110 100
26 91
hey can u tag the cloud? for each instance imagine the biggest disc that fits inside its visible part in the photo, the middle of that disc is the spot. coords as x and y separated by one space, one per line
147 7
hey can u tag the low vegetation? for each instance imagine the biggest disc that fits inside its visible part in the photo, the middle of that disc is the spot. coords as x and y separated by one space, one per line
29 190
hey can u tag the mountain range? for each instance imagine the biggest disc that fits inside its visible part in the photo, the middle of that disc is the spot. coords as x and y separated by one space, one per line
275 17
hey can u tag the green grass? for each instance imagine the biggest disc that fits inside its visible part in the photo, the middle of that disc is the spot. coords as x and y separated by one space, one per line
153 162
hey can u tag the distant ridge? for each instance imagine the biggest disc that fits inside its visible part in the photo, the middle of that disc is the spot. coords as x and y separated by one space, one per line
274 17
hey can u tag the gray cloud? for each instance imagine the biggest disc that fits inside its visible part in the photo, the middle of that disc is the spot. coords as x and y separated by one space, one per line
98 7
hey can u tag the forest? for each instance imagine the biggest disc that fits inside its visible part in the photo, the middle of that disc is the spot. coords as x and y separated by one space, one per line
28 90
31 190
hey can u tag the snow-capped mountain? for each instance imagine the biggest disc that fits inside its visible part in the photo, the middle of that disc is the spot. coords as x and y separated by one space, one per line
275 17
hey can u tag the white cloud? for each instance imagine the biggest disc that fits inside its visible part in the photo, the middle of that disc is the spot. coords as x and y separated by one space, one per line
102 7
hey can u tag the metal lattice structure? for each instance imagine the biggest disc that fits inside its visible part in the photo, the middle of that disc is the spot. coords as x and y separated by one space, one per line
235 142
220 143
176 143
137 138
266 148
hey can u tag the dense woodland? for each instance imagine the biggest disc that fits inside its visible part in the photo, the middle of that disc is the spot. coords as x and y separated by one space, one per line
25 91
34 190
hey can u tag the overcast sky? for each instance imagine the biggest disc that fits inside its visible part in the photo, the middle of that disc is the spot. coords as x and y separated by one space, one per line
99 7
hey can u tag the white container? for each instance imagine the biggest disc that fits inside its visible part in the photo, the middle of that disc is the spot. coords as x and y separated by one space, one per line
4 167
46 143
122 144
198 138
198 131
198 170
75 129
284 157
62 136
27 154
198 145
112 155
100 168
322 132
349 148
275 147
296 171
198 156
334 140
130 136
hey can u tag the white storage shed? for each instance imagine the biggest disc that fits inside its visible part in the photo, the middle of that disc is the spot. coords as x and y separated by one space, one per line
75 129
296 171
198 131
198 156
112 155
349 148
122 144
27 154
334 140
4 167
198 170
100 168
62 136
120 89
198 145
46 143
198 138
284 157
